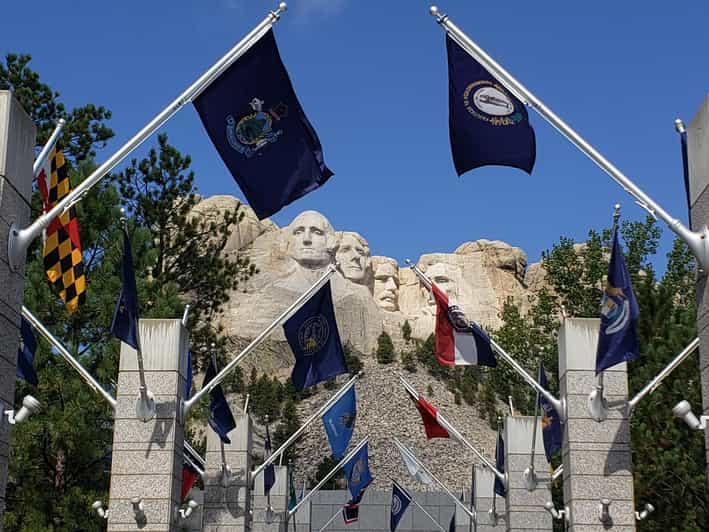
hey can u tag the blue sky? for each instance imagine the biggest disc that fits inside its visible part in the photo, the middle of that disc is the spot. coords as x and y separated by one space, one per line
372 78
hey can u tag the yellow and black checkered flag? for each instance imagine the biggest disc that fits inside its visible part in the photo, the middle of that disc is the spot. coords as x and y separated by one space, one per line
63 261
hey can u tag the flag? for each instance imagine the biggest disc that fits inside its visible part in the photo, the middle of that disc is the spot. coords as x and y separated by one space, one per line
429 416
339 421
220 417
63 261
188 380
189 477
413 465
500 464
350 512
551 424
292 497
459 341
269 473
254 119
125 317
618 338
357 472
25 354
488 124
313 336
685 166
400 500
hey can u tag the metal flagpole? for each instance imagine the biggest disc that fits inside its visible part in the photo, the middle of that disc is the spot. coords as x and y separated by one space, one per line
428 515
558 404
428 472
329 475
226 471
697 241
332 518
19 239
332 268
278 452
44 152
557 472
454 432
529 475
473 522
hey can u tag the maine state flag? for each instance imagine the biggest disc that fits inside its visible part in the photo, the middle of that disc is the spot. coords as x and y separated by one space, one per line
313 336
255 121
618 337
339 421
488 125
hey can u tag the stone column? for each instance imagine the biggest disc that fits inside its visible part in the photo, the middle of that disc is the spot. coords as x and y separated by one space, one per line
483 494
279 503
148 457
226 509
17 140
597 459
525 509
698 156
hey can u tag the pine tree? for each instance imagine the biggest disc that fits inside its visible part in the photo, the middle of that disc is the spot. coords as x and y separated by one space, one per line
385 349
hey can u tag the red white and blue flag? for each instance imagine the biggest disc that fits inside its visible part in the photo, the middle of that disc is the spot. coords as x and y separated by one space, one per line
459 341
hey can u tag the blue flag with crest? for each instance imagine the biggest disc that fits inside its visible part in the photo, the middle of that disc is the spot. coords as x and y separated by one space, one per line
254 119
400 500
357 472
488 124
551 424
25 354
500 465
220 417
618 337
339 422
125 317
313 336
269 473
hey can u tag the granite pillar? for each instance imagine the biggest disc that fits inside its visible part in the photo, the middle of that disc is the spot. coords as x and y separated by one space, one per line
262 519
17 141
483 494
596 456
148 456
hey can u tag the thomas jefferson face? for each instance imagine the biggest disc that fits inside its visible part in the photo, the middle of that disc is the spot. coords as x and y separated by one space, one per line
353 257
311 240
446 277
386 286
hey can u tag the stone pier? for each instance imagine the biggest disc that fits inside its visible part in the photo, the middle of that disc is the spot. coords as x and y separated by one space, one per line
483 494
263 520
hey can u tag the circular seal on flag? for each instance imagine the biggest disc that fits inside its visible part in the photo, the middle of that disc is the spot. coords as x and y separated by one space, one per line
493 101
357 471
490 102
395 504
313 334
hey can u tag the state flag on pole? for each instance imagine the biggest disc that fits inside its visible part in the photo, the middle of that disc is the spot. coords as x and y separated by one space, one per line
25 354
413 465
125 317
459 341
400 500
500 465
189 477
429 416
254 119
618 337
551 424
220 417
339 421
188 380
488 124
313 336
292 496
357 473
269 473
63 260
685 166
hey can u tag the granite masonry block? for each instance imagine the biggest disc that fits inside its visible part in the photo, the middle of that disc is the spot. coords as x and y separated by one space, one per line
605 463
159 383
134 430
520 462
577 406
529 519
583 382
146 486
520 497
130 462
156 511
165 407
587 430
587 512
593 487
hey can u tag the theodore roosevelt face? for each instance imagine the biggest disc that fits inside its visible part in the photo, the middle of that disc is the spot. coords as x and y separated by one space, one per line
386 286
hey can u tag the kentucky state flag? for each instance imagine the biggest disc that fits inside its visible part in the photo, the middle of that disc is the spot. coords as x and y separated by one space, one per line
400 500
313 336
551 424
255 121
339 421
488 125
618 337
357 472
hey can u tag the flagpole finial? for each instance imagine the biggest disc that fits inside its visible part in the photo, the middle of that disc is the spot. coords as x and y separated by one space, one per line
679 126
408 261
434 12
61 122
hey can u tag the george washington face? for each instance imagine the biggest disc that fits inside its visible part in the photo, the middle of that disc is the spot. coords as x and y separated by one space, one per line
311 240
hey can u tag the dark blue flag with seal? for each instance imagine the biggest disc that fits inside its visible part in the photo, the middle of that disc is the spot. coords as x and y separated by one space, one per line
488 124
25 354
339 422
313 336
269 472
551 423
357 472
220 417
618 337
500 465
125 317
400 500
255 121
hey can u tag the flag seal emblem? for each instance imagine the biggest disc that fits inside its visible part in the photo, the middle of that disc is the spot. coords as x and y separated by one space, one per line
615 309
490 102
395 504
313 334
357 470
254 130
348 420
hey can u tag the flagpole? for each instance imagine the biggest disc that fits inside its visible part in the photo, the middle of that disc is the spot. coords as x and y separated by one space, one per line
428 515
20 239
428 472
558 404
529 475
457 435
219 377
226 471
342 391
329 475
44 152
697 241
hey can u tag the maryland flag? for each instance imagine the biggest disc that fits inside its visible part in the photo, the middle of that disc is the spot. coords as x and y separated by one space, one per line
63 261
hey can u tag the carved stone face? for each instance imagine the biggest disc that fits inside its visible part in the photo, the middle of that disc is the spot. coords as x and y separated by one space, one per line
353 257
447 277
386 286
311 240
